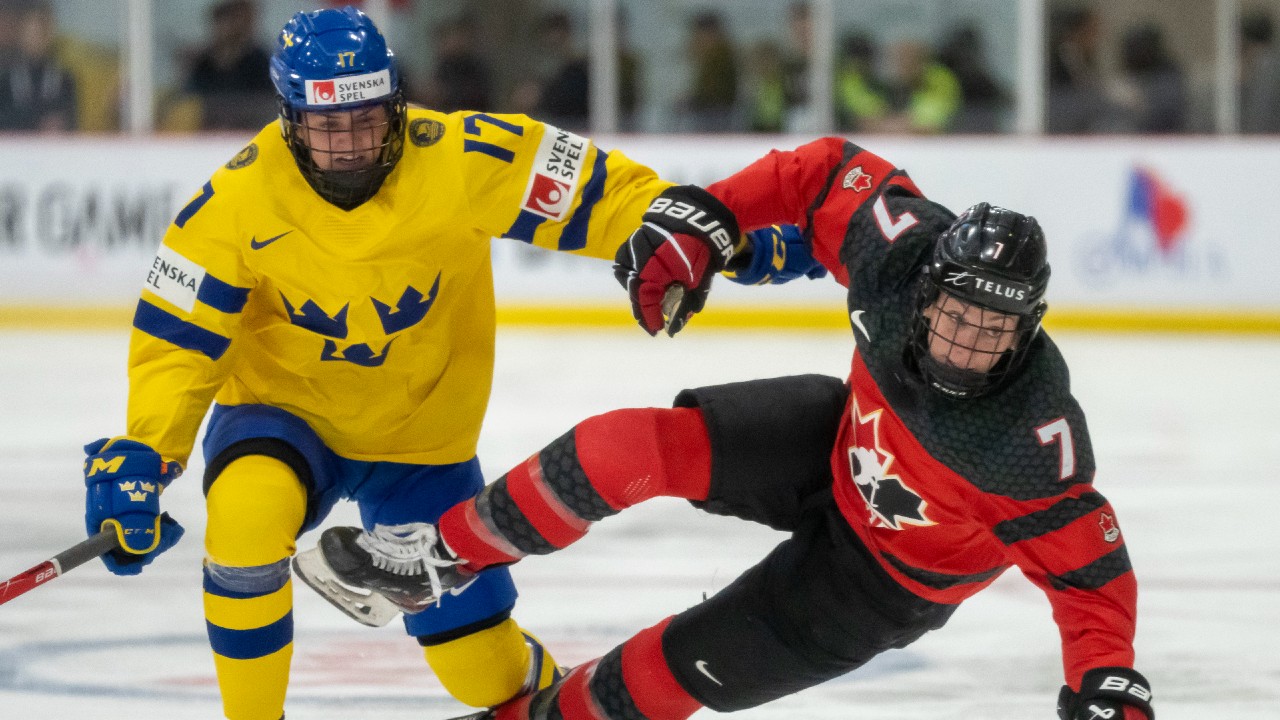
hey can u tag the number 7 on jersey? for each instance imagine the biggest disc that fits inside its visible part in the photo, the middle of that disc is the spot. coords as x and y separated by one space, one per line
1060 431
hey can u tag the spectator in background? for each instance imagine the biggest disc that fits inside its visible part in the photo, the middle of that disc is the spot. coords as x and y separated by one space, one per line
558 91
795 67
1259 75
713 95
983 100
10 13
923 96
861 100
628 77
460 79
1154 89
231 74
37 92
1078 101
767 109
563 97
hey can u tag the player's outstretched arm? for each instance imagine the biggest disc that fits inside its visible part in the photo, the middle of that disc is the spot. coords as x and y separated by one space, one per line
772 256
685 238
123 481
1118 693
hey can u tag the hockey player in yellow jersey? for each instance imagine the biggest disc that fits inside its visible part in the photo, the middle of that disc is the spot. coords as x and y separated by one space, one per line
329 294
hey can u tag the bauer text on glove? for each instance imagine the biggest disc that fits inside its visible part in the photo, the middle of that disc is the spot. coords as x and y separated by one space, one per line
1109 693
686 237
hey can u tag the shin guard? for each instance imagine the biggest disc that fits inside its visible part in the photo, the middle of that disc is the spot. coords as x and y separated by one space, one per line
604 465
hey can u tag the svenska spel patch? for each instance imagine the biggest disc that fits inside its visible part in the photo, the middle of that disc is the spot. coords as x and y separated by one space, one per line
555 175
175 278
351 89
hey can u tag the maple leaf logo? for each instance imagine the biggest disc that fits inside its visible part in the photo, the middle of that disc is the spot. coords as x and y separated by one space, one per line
1110 530
856 180
890 502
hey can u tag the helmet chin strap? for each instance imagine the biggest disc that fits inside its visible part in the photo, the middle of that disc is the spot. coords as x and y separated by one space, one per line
348 189
958 382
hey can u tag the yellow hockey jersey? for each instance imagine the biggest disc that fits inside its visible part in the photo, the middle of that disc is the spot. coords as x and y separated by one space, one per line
375 325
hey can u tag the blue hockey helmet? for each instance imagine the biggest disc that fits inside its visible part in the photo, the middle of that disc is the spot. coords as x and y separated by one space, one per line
342 109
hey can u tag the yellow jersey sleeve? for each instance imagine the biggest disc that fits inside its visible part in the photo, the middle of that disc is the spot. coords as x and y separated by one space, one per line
186 320
549 187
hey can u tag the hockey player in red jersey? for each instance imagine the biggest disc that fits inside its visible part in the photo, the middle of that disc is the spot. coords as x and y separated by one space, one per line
953 451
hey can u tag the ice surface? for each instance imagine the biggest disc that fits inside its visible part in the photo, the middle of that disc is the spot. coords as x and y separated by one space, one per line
1186 430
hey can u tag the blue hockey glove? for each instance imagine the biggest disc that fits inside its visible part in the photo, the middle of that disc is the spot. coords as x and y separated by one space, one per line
123 480
1109 693
773 256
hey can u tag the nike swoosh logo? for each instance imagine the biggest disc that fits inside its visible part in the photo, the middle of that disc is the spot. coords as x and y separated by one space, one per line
856 318
458 590
253 242
702 668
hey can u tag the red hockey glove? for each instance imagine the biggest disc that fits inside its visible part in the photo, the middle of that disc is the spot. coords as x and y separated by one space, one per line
687 236
1110 693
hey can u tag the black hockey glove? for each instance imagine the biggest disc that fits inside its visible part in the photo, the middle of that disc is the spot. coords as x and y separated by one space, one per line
687 236
1110 693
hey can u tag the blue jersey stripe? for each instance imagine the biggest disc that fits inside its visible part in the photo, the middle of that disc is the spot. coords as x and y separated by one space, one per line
222 296
574 235
164 325
250 644
525 226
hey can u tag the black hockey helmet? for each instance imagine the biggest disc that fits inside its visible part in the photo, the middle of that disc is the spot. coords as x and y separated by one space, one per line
333 63
981 300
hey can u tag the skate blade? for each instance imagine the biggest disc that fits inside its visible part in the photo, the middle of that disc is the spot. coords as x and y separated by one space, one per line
364 606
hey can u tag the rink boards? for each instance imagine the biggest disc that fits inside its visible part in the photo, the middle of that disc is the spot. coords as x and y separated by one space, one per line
1144 233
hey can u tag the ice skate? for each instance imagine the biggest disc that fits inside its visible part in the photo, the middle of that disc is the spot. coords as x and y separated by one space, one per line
372 576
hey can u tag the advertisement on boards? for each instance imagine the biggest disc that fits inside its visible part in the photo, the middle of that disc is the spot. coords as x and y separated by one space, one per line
1132 224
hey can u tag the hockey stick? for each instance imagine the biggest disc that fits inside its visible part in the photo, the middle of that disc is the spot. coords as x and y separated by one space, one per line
670 301
64 562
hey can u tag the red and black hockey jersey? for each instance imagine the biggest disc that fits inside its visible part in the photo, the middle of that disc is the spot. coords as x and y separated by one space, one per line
947 493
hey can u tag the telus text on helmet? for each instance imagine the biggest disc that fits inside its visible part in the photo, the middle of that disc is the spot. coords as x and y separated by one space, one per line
992 287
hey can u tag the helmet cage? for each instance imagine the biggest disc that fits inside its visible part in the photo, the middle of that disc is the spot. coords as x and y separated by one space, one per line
995 261
335 62
346 189
981 338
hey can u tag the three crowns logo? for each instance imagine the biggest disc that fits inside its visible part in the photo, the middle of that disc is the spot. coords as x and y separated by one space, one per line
137 491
